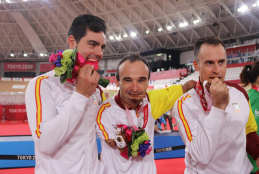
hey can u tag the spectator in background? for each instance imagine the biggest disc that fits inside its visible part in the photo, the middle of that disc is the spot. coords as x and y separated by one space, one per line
242 60
156 127
172 116
159 122
250 74
168 116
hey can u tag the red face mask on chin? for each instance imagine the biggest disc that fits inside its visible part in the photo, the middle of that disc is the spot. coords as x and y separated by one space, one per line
81 62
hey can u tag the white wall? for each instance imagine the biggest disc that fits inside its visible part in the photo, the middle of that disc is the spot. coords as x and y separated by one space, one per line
101 64
112 63
186 57
252 41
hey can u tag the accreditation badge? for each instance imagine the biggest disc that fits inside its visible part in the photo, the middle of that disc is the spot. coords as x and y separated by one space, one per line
236 107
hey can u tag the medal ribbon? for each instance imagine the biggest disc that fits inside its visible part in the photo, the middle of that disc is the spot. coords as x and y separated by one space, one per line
255 88
130 119
200 92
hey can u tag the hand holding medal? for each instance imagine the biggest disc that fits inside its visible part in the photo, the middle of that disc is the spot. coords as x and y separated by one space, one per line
219 93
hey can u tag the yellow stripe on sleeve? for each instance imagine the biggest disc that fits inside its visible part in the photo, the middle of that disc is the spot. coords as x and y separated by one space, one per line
99 117
38 104
103 97
182 117
251 125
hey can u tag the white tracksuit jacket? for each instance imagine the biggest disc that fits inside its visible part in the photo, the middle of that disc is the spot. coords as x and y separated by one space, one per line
215 140
62 123
109 116
111 113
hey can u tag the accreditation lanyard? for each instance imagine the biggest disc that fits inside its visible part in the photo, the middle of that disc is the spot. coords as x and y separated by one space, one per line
201 94
130 119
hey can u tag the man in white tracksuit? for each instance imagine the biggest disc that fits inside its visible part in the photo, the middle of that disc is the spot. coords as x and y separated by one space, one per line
132 78
62 116
212 117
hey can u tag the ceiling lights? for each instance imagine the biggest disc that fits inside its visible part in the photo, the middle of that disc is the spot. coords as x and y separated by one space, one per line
256 4
133 34
183 24
23 54
111 37
118 37
169 27
196 21
160 29
242 9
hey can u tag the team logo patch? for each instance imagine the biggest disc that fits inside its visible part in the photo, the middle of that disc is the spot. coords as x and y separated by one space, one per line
236 107
95 100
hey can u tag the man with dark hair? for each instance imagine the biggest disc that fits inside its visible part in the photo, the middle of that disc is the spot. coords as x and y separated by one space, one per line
62 116
215 118
84 23
133 103
210 40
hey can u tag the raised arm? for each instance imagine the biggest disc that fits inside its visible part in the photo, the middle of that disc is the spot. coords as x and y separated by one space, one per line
163 99
52 123
201 141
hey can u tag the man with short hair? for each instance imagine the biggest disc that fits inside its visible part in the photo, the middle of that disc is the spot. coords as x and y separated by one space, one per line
214 118
132 77
62 116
